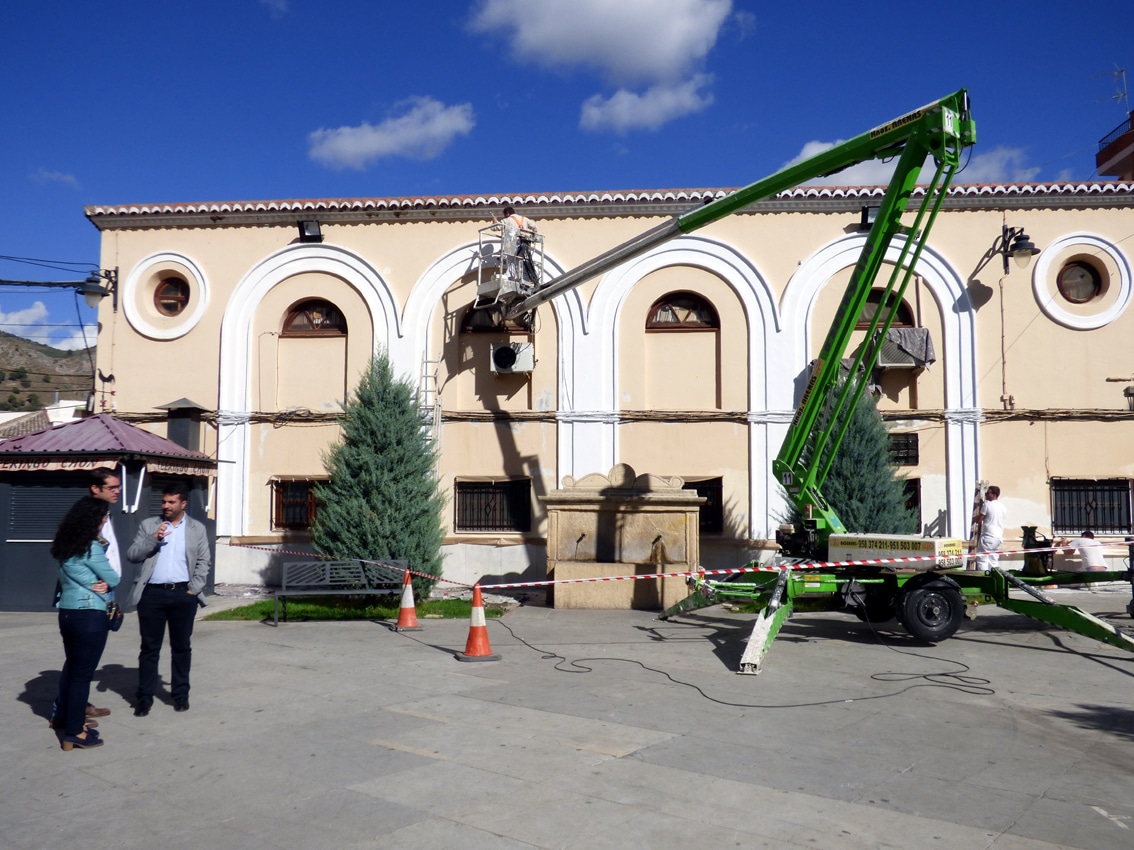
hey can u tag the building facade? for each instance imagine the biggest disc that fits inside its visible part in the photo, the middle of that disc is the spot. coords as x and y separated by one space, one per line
686 361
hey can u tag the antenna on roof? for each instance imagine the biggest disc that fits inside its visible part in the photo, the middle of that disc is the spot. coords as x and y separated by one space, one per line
1121 93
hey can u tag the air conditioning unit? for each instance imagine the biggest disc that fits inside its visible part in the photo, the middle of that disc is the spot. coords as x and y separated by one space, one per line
892 355
509 358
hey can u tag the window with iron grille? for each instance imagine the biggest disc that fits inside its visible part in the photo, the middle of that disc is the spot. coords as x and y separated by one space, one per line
293 504
682 311
912 489
314 317
493 505
1085 504
903 449
712 512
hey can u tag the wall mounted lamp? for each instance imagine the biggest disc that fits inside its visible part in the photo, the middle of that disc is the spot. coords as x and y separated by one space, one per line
1128 392
1014 242
91 289
310 231
868 216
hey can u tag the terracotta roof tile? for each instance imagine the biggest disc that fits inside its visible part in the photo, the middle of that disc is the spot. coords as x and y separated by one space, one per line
552 199
22 425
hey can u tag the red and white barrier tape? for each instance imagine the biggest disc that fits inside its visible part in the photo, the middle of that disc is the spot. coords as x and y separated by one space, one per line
762 568
811 566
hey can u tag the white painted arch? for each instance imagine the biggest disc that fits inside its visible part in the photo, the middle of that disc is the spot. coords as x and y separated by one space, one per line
593 430
234 403
958 353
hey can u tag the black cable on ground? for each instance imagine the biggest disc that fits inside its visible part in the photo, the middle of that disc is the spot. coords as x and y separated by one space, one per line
953 681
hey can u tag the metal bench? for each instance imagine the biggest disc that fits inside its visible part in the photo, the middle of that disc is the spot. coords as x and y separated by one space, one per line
337 578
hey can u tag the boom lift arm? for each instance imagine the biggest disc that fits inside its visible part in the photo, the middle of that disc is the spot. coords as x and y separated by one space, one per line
941 130
818 427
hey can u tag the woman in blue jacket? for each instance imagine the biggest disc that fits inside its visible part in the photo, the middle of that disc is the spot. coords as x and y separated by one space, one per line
83 572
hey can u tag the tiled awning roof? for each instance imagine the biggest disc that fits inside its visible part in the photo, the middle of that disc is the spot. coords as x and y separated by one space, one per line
97 441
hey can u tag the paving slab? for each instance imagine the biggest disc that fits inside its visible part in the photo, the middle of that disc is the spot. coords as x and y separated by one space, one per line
596 729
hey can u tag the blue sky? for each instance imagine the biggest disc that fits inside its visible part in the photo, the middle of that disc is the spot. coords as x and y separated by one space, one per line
136 102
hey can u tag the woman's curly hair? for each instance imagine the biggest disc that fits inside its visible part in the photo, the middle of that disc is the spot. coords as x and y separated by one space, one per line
79 528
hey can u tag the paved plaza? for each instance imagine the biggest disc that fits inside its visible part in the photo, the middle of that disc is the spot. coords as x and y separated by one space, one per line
596 729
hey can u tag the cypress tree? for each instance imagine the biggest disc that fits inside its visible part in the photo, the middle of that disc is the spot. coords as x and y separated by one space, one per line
862 485
382 500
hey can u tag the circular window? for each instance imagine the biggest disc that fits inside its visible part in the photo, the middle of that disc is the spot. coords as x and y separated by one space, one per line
1079 282
165 295
171 296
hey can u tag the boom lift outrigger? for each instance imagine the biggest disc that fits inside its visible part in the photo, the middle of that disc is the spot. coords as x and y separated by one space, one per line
928 597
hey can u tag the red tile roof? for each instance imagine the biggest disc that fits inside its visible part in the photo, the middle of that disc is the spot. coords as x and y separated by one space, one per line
35 421
550 200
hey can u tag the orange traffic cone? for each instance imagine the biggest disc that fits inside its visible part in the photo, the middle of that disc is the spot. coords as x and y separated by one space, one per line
407 614
477 648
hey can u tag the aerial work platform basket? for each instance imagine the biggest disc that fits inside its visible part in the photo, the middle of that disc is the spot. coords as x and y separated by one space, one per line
509 264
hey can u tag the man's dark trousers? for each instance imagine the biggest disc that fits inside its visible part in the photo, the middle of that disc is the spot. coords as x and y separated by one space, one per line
163 605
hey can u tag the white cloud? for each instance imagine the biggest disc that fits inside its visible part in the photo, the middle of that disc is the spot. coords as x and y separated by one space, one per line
27 323
12 322
999 165
75 340
44 175
31 323
744 24
627 41
422 131
277 8
627 110
658 45
874 172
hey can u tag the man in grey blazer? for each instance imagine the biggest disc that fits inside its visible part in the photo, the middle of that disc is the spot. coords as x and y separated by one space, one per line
173 550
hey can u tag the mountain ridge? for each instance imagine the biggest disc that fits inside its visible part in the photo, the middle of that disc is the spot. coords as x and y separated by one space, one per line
32 374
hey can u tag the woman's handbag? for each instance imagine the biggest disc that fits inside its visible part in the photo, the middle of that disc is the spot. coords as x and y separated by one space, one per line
114 615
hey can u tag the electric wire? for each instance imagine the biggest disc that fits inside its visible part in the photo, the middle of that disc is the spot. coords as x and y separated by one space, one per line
976 685
86 343
58 265
953 681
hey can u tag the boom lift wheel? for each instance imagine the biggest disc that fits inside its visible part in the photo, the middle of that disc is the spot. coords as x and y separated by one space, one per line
931 611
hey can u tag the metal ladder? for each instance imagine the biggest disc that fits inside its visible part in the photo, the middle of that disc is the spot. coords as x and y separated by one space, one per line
429 403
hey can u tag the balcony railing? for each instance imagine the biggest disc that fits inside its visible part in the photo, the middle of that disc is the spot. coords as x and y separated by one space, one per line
1119 131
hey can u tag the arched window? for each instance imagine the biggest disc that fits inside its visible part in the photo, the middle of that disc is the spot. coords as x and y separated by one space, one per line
314 318
682 311
682 352
904 318
310 358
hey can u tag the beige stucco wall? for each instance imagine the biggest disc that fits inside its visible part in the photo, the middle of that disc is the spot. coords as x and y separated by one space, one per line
403 282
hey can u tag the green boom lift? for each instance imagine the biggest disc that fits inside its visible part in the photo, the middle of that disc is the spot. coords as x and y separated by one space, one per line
928 597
